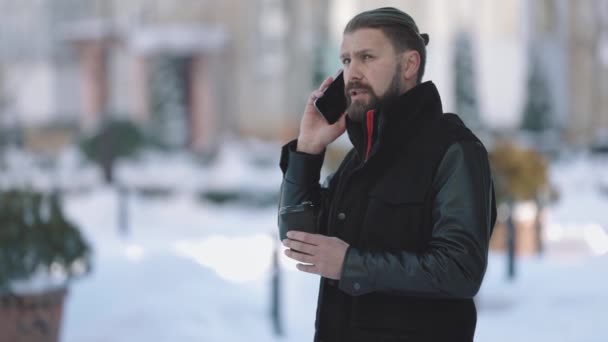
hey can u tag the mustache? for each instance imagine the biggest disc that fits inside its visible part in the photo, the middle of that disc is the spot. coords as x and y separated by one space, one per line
356 85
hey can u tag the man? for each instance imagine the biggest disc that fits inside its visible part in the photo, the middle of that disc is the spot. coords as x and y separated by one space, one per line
404 223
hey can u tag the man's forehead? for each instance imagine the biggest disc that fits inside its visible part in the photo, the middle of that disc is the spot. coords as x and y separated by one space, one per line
363 39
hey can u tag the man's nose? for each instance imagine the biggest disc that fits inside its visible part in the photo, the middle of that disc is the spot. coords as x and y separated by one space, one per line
353 72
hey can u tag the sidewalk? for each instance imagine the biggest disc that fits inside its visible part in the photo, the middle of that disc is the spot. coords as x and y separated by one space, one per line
559 297
192 273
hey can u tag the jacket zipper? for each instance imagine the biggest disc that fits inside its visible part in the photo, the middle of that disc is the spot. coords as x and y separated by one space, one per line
370 132
368 149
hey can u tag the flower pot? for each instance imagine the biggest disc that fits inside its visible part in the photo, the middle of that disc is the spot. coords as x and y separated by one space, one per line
527 239
32 317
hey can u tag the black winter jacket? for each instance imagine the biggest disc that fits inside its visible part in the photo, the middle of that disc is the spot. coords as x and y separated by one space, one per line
415 201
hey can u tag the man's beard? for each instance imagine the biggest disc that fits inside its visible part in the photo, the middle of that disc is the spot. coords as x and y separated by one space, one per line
356 110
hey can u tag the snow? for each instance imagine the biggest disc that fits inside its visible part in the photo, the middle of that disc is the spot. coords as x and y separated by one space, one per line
234 169
188 270
553 300
231 171
150 170
69 172
580 180
177 277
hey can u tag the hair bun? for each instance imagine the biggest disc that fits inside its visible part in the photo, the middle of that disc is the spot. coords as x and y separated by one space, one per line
425 38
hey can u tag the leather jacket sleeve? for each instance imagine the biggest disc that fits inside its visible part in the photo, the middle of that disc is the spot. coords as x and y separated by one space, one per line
464 214
301 173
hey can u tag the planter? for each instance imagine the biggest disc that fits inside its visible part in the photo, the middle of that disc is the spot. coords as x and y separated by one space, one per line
31 318
527 240
41 252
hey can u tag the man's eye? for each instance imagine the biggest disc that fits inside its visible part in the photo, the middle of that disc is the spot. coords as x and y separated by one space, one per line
367 57
346 61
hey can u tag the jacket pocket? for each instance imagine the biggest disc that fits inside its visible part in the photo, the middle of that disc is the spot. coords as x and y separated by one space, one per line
393 220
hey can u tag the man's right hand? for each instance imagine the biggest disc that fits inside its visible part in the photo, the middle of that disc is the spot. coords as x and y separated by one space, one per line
315 132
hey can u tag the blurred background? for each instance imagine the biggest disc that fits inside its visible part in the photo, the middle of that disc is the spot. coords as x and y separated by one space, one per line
139 147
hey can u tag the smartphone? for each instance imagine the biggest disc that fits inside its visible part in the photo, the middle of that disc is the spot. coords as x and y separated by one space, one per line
333 102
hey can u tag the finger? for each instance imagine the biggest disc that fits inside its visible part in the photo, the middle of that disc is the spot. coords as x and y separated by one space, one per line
314 96
291 241
311 239
325 83
308 268
301 257
300 246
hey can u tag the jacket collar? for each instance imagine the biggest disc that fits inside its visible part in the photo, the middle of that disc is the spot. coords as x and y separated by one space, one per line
394 123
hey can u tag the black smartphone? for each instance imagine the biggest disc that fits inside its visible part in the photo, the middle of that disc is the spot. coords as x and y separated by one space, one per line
333 102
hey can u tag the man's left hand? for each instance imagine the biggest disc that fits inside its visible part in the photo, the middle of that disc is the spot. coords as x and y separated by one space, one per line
322 255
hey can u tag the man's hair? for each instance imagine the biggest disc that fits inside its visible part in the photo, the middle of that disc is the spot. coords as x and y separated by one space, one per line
398 27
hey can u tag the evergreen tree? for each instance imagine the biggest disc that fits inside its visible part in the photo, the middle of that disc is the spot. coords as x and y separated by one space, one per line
464 81
537 116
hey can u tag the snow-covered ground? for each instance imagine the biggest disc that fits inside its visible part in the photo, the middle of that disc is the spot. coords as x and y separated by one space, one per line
185 272
193 271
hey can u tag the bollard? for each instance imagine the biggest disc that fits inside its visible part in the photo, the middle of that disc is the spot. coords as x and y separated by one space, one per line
538 225
511 245
123 210
275 314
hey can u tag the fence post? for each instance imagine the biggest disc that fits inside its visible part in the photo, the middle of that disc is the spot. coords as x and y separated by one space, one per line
538 225
511 243
275 304
123 210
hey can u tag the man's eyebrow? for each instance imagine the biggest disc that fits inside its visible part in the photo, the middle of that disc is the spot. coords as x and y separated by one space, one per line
356 53
363 52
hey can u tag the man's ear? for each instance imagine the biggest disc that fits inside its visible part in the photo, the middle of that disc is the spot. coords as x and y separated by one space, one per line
410 63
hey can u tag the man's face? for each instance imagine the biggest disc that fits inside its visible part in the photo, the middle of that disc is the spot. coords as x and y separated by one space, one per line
372 71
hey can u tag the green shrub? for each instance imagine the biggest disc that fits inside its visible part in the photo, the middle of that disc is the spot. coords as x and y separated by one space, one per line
114 140
34 233
519 173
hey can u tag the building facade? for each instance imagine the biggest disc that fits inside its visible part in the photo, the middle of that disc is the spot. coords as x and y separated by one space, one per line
201 69
569 37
